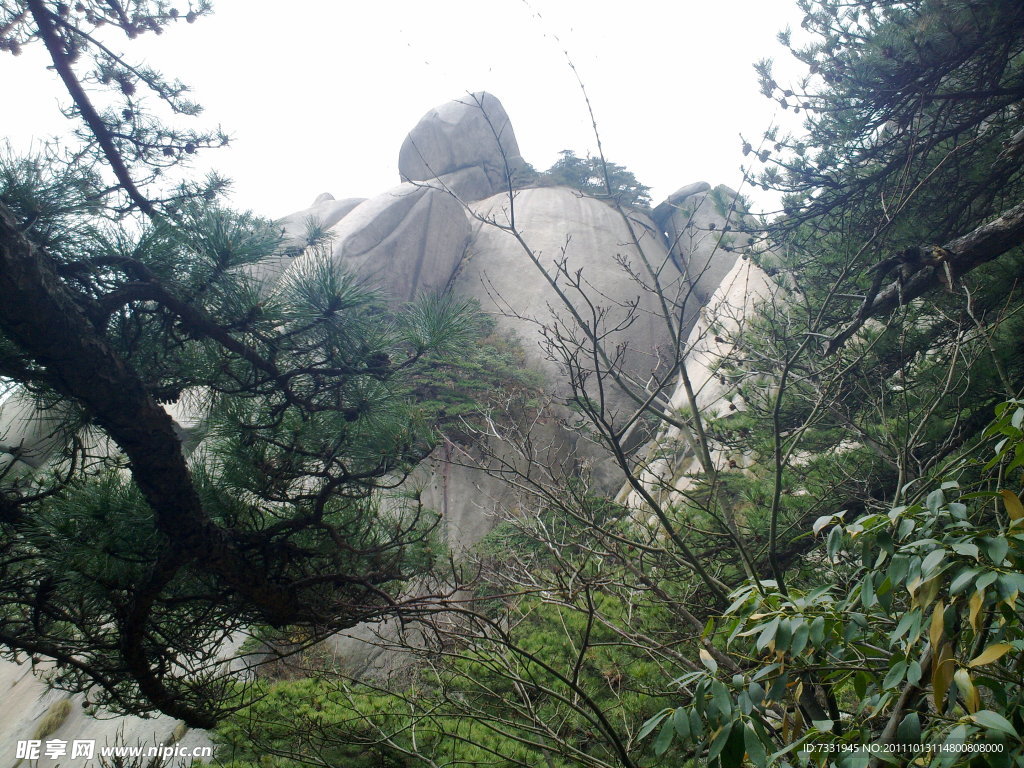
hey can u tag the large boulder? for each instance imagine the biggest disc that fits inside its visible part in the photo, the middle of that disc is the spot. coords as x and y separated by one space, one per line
567 231
324 214
717 332
568 238
406 241
669 460
296 228
664 210
568 253
466 184
702 226
472 132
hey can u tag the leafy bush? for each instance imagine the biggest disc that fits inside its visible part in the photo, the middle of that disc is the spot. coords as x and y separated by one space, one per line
915 638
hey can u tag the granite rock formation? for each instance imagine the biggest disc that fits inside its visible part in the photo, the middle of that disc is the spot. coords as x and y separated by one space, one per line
448 226
471 132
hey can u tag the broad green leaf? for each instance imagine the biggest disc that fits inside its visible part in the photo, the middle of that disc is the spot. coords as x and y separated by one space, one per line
696 726
756 692
996 548
773 758
1013 578
963 580
1008 588
779 687
767 636
652 723
855 760
800 636
885 596
986 579
835 540
860 684
909 729
895 675
720 696
885 587
931 562
867 591
935 500
709 660
965 549
718 742
994 722
914 672
898 568
817 593
915 626
755 748
903 625
743 598
958 735
784 635
664 740
818 630
765 671
681 722
732 754
745 704
699 698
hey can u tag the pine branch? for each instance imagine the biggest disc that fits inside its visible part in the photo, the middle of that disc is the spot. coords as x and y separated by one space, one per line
959 256
48 32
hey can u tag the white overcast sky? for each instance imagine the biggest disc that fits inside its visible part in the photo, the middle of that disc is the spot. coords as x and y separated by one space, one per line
318 95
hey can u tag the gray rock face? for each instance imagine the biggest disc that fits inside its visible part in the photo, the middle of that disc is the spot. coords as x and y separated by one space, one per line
664 210
325 213
26 700
695 224
295 227
467 132
566 232
407 241
466 184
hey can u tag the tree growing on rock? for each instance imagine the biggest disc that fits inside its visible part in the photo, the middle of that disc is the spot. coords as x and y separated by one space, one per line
596 176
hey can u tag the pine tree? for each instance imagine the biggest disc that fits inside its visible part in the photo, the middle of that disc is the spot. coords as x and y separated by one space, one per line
596 177
136 549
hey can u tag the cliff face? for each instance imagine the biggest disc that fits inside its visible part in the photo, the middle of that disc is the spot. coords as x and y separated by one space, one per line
531 258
